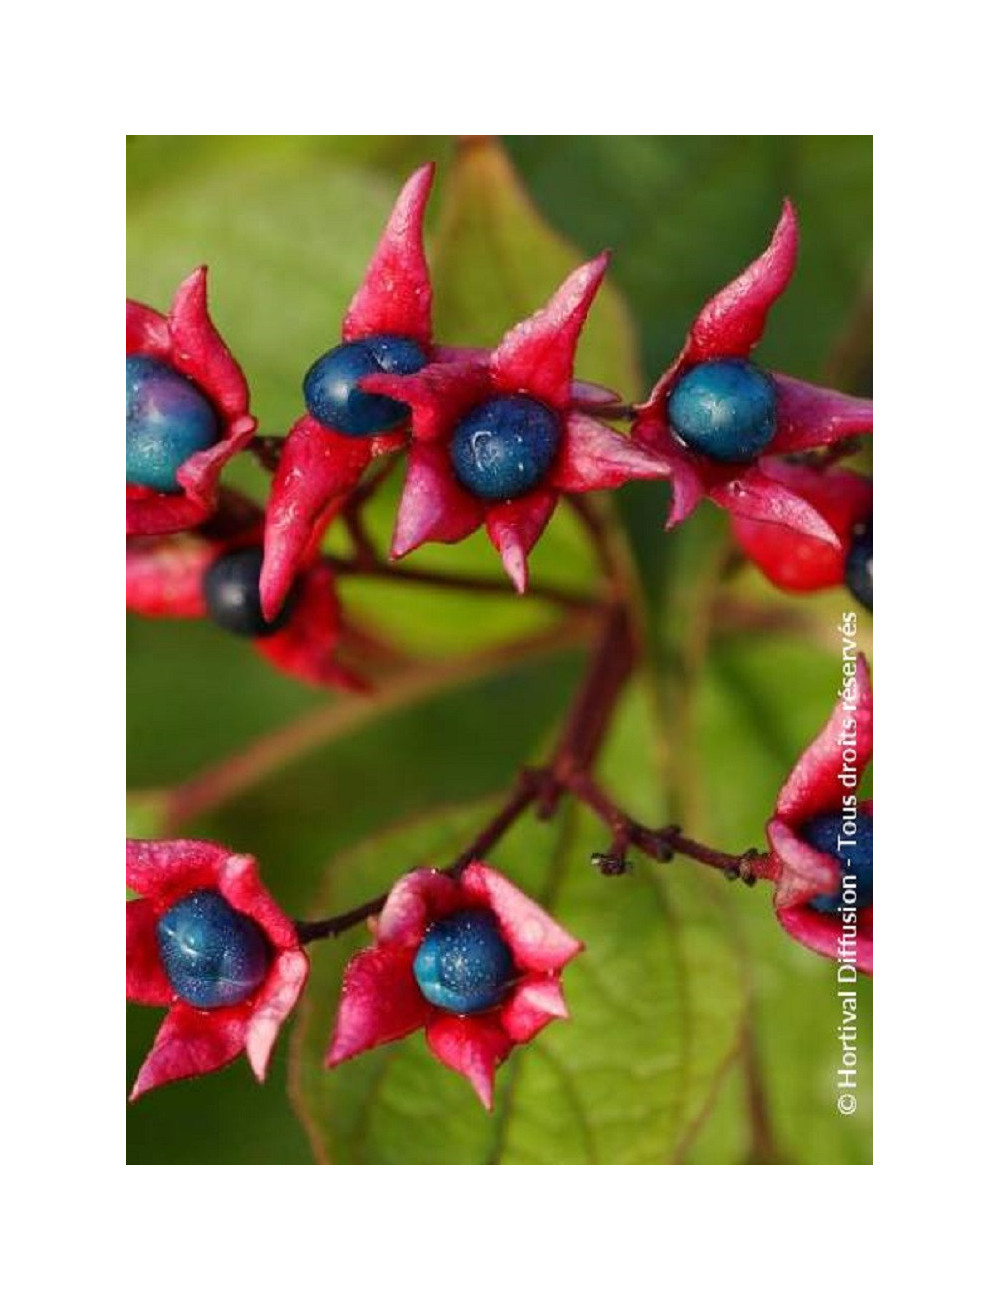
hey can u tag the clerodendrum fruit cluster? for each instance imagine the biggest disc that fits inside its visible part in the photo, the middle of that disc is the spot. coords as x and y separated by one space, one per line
493 439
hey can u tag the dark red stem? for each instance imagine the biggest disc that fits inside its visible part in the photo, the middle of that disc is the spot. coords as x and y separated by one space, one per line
660 844
591 712
363 566
569 773
585 727
266 448
609 410
524 794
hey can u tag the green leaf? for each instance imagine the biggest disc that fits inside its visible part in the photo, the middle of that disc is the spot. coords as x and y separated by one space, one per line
687 213
657 1002
156 162
497 261
145 813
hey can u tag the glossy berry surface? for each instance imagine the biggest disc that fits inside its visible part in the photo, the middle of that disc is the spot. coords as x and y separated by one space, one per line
726 410
858 568
463 964
855 859
213 955
231 587
167 419
504 448
331 384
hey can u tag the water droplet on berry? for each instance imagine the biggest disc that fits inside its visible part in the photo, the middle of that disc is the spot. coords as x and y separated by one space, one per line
463 964
213 955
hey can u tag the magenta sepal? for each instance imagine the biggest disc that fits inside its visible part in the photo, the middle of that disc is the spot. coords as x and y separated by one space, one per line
731 325
319 467
382 1002
190 1040
187 340
164 577
799 561
535 358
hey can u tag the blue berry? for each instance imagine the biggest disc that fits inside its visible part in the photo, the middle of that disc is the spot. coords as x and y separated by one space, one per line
463 964
503 448
213 955
331 384
858 569
167 419
231 587
726 410
855 859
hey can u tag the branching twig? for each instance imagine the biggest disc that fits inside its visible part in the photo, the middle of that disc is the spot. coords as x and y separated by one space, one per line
569 771
523 795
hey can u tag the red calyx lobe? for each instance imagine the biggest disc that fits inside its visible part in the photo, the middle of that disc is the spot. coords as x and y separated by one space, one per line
192 1041
319 468
382 1001
187 341
797 561
165 578
535 361
730 325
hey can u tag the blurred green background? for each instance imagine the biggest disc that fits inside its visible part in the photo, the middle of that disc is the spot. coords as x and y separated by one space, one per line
700 1032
